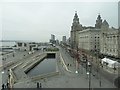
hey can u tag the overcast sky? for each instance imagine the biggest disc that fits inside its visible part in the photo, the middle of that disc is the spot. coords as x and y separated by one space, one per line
36 21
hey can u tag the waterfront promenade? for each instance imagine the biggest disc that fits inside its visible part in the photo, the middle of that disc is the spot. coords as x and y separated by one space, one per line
67 78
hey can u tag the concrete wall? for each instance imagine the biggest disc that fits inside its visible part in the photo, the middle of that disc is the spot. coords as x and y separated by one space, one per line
35 63
110 42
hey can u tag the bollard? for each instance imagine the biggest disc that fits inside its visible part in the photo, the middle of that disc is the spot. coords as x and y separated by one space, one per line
40 85
37 84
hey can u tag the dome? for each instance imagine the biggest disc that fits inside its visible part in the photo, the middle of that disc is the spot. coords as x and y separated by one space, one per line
105 23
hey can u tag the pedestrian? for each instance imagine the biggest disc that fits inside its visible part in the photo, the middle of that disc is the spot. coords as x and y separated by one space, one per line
102 66
68 64
3 86
7 85
37 84
13 55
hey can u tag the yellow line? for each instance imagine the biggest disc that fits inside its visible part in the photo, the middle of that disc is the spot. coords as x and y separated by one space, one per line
64 64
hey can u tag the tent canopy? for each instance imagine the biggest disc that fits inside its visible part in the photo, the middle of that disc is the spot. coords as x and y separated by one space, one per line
110 62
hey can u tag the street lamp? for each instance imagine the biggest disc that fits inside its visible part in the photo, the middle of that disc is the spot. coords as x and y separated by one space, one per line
98 67
77 58
89 73
76 66
86 63
2 72
76 71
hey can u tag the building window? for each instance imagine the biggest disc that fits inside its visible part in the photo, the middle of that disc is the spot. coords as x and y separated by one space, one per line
95 46
113 50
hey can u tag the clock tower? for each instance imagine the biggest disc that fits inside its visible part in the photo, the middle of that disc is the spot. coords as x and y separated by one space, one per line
75 28
98 22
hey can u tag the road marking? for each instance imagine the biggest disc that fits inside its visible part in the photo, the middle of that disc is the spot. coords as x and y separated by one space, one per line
64 63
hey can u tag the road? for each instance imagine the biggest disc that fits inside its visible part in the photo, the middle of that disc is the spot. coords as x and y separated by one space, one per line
82 69
99 71
102 71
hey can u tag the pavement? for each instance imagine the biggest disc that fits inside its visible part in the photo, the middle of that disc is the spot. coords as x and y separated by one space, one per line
67 77
82 70
104 71
19 56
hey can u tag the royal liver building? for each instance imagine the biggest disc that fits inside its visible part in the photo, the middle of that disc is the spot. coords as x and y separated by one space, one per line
101 38
75 28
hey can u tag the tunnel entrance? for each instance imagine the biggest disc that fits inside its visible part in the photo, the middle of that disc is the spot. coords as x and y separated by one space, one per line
51 55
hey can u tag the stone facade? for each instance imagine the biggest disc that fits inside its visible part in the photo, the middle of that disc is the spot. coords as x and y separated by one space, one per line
89 39
98 22
75 28
100 38
109 42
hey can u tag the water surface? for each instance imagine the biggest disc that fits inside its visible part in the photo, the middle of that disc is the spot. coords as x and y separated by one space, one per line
46 66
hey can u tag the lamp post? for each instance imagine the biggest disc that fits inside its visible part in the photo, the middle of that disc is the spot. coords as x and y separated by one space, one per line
86 63
89 73
99 74
77 58
98 68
